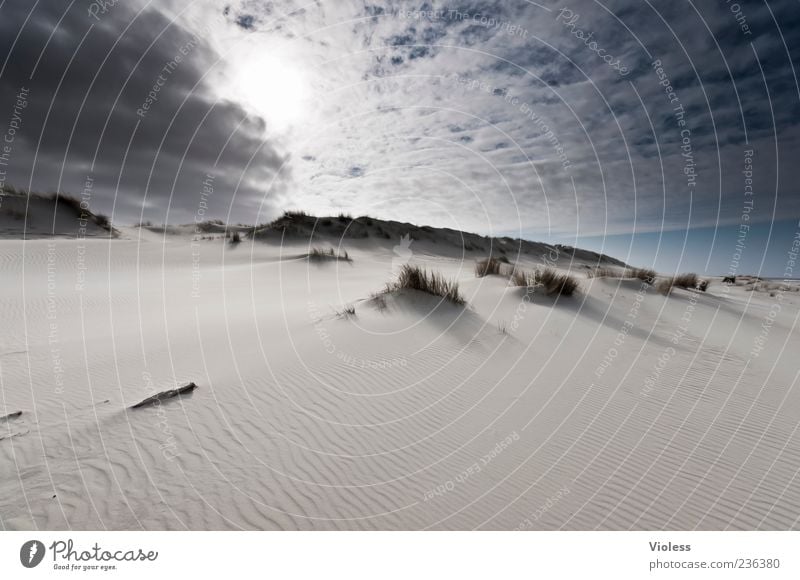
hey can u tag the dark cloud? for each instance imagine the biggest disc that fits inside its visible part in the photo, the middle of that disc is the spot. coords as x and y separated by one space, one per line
123 100
445 98
246 21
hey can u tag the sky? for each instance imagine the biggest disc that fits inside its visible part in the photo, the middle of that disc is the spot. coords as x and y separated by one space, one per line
655 131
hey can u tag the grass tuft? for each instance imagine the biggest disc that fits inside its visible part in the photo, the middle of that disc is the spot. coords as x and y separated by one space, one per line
318 254
416 278
688 281
646 275
548 279
293 214
665 286
604 273
346 312
685 280
488 266
523 278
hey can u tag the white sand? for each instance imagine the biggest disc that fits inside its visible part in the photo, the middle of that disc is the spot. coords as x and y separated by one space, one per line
415 416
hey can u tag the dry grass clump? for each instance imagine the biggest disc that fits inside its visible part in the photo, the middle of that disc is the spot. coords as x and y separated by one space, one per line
665 286
555 283
605 273
523 278
488 266
548 279
318 254
416 278
346 312
688 281
293 214
644 274
685 280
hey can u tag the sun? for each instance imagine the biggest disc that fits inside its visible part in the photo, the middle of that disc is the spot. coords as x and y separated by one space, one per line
273 88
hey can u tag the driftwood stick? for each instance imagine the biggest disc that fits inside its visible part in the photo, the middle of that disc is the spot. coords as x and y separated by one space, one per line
171 393
11 416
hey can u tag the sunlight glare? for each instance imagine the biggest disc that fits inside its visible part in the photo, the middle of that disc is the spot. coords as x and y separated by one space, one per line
273 88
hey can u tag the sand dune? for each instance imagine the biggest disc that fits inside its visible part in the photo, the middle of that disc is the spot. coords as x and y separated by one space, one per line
44 216
411 414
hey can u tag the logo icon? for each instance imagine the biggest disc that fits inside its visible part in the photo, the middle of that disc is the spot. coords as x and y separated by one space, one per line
403 252
31 553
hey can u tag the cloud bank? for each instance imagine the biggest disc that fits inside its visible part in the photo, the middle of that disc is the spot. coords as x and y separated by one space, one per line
576 118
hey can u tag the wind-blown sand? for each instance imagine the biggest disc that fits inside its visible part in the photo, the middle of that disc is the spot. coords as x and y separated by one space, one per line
405 416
